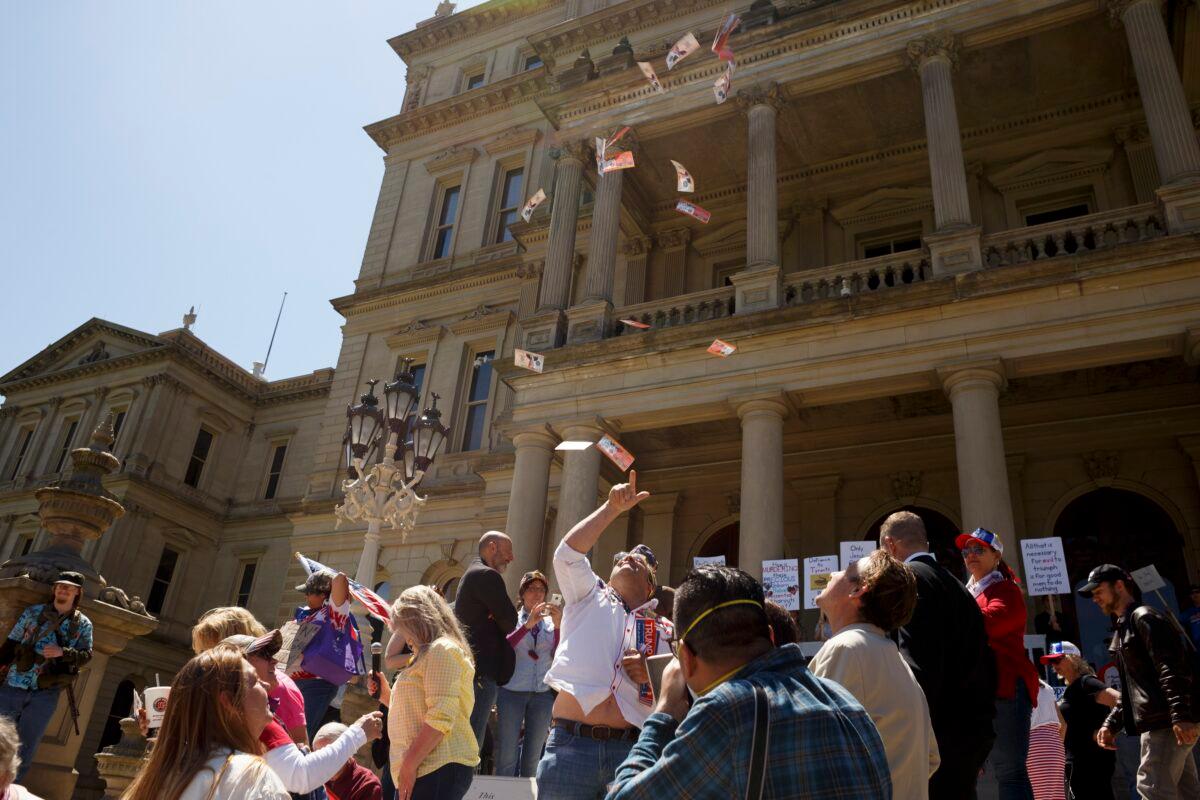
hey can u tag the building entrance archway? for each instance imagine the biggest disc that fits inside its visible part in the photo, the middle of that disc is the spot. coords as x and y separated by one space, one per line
941 531
722 542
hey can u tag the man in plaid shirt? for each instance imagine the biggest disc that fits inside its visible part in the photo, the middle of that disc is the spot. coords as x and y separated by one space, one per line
822 745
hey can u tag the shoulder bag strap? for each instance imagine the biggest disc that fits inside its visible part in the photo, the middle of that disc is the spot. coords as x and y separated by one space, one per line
758 745
212 790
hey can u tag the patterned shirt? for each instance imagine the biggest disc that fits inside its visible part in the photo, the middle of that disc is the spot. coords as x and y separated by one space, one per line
823 745
438 690
32 629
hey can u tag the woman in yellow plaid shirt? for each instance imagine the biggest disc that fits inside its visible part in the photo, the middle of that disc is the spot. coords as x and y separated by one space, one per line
434 752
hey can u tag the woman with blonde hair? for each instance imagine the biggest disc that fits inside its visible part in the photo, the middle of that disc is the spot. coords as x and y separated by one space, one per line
220 623
434 752
208 747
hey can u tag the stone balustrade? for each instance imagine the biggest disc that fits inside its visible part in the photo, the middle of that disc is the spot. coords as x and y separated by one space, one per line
680 310
857 277
1072 236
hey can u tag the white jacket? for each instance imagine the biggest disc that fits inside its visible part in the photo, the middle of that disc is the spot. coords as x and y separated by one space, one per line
246 777
302 772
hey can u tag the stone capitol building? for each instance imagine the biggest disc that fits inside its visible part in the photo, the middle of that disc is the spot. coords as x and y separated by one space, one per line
956 244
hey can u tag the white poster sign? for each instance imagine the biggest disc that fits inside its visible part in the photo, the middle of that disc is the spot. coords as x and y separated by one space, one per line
490 787
781 582
853 551
1045 566
1148 579
701 561
816 575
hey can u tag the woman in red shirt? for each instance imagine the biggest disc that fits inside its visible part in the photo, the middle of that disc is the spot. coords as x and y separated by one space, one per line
998 594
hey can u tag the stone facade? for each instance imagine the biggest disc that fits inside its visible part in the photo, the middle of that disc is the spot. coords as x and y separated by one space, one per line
953 241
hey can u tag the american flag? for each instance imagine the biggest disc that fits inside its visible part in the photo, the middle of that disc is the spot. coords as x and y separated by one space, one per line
376 606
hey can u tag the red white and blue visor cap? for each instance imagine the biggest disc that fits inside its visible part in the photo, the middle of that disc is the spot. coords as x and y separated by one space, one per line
1058 650
982 535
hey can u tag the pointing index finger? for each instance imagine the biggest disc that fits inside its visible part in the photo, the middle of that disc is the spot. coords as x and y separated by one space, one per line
633 481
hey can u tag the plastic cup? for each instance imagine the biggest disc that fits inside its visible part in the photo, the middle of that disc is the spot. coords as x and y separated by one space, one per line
156 704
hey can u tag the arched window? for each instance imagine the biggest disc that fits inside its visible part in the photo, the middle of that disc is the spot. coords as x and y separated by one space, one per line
941 531
122 706
723 542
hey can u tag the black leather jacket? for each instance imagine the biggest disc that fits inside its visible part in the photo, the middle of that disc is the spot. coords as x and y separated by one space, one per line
1156 674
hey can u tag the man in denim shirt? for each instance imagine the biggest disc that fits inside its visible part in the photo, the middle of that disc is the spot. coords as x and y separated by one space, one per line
822 745
43 653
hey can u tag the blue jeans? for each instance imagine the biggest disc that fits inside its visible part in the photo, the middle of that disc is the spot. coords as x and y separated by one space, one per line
485 698
575 768
447 782
1012 745
515 708
318 693
30 710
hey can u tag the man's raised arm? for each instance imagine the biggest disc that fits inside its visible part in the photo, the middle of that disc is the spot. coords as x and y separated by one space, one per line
621 498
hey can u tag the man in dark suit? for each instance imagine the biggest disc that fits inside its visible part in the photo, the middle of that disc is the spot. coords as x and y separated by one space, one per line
488 614
946 646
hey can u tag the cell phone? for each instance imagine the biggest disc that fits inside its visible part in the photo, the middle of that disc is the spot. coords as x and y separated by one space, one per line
556 599
655 666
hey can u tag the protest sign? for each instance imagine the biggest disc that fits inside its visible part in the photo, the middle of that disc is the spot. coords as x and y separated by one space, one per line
816 575
853 551
701 561
781 582
1045 566
1148 579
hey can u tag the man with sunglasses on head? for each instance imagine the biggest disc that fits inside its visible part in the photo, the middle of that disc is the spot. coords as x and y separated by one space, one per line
760 725
608 628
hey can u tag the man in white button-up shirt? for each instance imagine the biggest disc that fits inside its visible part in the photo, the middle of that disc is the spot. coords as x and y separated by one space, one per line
608 628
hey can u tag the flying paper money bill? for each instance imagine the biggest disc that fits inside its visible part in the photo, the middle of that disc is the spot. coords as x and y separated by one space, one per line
722 349
616 454
633 323
724 84
651 76
528 360
616 137
621 161
692 210
532 203
719 45
681 50
683 178
601 146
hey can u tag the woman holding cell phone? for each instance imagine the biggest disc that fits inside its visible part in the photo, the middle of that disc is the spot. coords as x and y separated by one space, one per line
526 699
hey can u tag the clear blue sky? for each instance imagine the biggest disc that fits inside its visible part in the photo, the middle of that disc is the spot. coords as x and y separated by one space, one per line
156 154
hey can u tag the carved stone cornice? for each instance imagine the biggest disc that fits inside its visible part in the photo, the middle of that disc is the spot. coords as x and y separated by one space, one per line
7 411
417 332
1127 135
481 320
673 238
444 32
1117 9
531 270
512 139
635 246
54 402
573 150
452 158
762 94
935 45
100 392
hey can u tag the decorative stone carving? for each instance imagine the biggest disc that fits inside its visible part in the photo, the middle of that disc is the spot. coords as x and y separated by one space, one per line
636 246
1102 464
1117 9
118 764
9 411
576 150
733 502
98 353
530 270
100 392
117 597
480 311
906 484
770 94
935 45
673 238
413 327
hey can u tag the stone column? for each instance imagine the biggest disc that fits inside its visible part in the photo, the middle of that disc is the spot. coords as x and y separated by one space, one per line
674 244
955 245
527 502
40 444
636 251
546 329
606 227
1167 114
761 523
580 479
1143 169
974 392
153 391
658 529
530 276
760 286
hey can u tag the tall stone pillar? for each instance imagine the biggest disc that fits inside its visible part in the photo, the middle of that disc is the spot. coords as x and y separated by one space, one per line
760 286
955 245
530 275
974 392
658 529
761 535
580 479
674 244
527 503
545 330
636 251
590 320
1167 114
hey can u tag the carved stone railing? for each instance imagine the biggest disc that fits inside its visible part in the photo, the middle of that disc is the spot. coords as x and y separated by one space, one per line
1078 235
679 310
857 277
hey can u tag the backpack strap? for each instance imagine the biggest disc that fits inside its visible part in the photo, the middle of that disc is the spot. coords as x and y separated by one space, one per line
759 745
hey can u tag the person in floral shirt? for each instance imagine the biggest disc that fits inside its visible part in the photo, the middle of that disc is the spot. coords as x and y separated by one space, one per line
42 654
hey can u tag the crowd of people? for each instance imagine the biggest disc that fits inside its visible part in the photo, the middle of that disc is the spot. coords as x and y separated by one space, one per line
621 688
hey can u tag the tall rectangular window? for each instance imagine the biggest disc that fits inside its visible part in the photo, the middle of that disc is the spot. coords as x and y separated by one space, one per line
200 451
475 413
25 545
245 583
277 455
22 447
510 203
65 448
162 580
443 237
118 421
474 81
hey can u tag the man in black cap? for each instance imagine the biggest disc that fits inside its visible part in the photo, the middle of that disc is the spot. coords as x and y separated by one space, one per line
42 654
1158 699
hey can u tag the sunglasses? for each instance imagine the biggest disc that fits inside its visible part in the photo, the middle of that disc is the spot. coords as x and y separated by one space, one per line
974 550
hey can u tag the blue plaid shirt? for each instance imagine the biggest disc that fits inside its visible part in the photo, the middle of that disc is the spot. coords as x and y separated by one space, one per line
823 745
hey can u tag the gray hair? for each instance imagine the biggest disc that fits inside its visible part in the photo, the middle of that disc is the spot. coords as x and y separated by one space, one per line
328 732
906 527
10 748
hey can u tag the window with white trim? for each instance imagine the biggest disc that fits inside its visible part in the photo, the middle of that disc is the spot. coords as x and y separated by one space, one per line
509 202
163 575
443 234
275 469
245 583
64 447
23 438
201 450
475 405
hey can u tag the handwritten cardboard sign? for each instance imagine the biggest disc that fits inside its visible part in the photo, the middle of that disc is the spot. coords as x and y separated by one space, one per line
853 551
1045 566
816 577
781 582
1148 579
701 561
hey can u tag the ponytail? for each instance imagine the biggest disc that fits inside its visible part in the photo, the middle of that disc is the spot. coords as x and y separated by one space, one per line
1005 570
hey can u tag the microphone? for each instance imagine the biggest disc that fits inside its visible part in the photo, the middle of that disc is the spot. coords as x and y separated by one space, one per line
376 652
